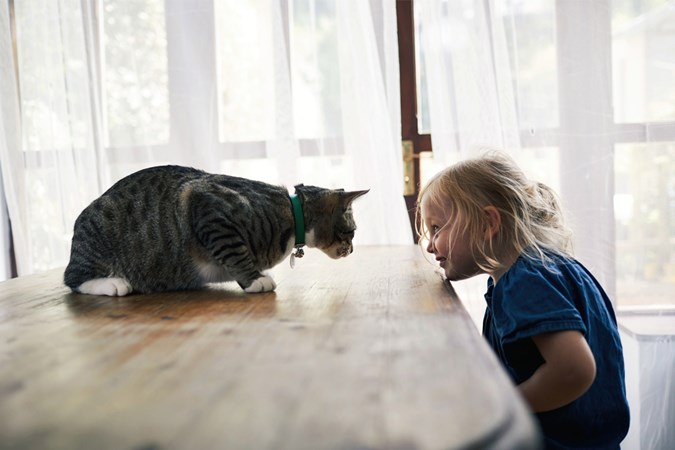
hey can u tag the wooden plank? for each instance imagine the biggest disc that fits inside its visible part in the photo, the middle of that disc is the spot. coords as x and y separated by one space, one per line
372 351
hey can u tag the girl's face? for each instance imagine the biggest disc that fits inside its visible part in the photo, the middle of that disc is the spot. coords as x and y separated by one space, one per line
458 264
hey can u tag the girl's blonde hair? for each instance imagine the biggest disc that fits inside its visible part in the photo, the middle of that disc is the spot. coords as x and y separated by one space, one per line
532 221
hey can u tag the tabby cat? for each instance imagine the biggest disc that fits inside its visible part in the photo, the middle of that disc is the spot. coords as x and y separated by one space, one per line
172 228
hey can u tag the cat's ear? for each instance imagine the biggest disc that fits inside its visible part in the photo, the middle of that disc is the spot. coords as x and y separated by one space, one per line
299 190
349 197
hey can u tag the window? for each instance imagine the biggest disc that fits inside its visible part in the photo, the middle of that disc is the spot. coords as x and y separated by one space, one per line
644 203
643 37
135 73
639 136
283 91
52 65
250 91
246 90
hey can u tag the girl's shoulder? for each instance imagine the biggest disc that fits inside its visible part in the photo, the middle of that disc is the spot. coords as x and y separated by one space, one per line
556 271
534 264
547 263
551 269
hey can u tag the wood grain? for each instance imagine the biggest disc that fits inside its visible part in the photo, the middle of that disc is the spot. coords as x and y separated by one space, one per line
372 351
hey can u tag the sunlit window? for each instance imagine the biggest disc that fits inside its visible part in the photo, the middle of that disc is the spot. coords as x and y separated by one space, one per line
135 74
246 70
53 76
643 39
645 223
316 83
642 80
530 32
256 93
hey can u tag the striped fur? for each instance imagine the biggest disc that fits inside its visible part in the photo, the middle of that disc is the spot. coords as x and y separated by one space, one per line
173 228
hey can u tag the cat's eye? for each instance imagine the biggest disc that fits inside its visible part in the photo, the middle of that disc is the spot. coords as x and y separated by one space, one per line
345 234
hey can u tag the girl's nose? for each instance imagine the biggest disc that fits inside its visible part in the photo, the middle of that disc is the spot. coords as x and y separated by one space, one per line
430 247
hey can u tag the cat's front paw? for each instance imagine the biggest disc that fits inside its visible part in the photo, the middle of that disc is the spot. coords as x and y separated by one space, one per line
114 287
263 284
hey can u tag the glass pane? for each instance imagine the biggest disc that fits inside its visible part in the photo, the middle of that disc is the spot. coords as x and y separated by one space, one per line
135 74
422 90
315 79
643 60
245 56
526 29
530 32
53 76
644 202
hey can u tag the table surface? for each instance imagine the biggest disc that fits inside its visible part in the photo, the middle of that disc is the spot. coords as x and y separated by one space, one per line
371 351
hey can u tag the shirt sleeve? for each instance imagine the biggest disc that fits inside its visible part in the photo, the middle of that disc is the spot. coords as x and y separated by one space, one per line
531 299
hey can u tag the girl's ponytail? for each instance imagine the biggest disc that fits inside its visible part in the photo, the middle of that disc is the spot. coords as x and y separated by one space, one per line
546 218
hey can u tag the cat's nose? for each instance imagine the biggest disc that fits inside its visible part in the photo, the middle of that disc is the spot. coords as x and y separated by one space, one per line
345 250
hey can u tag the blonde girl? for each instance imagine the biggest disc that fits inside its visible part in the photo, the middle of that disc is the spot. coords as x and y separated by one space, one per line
547 318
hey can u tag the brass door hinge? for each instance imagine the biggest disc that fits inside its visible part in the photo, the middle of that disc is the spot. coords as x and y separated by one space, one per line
408 167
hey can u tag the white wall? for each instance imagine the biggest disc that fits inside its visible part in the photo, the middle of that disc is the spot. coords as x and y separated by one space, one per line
649 353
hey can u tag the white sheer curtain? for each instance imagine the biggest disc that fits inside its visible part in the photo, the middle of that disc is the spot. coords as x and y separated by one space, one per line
468 76
285 91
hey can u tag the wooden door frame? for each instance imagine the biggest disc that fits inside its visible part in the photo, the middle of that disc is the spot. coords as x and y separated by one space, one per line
408 85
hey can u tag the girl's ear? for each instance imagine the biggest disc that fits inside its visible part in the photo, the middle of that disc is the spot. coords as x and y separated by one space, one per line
493 221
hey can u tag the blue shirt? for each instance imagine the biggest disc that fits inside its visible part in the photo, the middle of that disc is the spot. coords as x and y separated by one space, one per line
532 299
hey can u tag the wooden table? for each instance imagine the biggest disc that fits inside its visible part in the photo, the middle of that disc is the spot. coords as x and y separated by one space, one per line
372 351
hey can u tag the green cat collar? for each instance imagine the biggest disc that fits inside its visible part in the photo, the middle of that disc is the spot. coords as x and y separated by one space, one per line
299 221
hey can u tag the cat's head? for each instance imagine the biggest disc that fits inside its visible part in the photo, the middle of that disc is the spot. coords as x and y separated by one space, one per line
329 222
